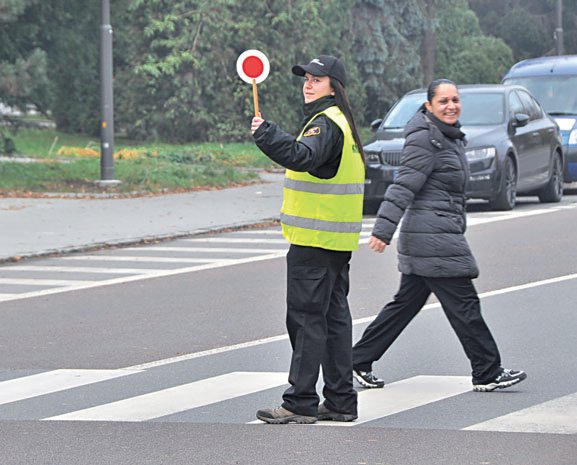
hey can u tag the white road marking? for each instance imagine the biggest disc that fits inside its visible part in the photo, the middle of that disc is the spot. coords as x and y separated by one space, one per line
140 277
179 398
515 214
256 232
53 381
207 249
403 395
43 282
557 416
121 258
82 269
233 240
407 394
268 340
212 264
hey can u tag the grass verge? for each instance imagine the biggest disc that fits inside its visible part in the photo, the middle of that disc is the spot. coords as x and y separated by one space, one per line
63 163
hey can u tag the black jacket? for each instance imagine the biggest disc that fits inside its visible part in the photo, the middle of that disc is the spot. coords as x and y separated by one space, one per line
318 152
429 191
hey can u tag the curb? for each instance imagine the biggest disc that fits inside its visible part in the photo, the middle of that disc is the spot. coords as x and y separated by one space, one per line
262 223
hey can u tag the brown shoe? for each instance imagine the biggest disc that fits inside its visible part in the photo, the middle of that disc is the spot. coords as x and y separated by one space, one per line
282 416
326 414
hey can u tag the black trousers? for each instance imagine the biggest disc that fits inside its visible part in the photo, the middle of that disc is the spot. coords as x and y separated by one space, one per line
461 305
319 325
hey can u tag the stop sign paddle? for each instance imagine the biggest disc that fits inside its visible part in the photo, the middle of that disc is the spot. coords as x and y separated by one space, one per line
253 67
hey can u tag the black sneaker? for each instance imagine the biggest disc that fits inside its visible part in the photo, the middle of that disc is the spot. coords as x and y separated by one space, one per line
506 378
325 414
282 416
368 379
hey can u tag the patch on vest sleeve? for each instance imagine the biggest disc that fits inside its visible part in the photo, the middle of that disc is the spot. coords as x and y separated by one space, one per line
312 132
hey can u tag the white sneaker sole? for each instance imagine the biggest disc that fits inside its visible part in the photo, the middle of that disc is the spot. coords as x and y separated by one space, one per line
493 386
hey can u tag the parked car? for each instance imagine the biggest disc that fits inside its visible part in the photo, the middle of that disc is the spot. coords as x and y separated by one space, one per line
553 82
513 146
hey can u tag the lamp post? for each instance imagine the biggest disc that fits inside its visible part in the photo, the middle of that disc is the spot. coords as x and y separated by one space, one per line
559 29
106 102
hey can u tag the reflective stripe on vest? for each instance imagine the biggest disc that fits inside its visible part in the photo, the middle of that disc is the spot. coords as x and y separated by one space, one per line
320 225
326 213
316 188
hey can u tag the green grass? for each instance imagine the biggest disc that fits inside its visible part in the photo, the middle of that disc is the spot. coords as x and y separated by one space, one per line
157 168
46 142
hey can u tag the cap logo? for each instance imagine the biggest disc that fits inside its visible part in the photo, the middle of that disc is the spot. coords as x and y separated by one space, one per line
317 61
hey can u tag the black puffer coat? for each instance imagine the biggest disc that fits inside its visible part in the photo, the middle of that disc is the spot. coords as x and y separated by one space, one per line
429 191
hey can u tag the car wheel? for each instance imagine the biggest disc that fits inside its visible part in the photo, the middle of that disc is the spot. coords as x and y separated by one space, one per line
553 191
507 196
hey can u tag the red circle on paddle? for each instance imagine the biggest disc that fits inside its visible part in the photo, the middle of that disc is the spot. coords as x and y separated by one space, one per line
253 67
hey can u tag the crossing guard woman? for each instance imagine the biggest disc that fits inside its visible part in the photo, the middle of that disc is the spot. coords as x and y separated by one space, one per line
321 218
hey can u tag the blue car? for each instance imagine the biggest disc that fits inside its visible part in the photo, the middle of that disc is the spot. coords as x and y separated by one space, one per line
553 81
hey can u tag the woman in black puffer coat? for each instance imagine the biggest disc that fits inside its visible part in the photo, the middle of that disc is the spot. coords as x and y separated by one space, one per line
434 256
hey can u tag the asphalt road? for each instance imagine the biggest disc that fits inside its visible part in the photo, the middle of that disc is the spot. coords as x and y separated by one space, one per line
166 359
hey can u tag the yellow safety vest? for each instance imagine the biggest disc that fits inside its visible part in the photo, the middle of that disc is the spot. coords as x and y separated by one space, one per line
326 213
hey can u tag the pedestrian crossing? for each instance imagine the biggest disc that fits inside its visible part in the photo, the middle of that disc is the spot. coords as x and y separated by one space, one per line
79 271
115 266
224 391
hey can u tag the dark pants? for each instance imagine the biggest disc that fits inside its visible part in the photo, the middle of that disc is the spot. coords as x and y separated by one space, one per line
460 303
320 330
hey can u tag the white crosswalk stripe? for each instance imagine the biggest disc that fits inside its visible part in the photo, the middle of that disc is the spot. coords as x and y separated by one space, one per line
120 258
405 395
556 416
53 381
43 282
83 269
206 249
235 240
179 398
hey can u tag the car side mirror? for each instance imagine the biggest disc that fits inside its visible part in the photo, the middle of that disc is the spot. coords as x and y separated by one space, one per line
520 120
376 123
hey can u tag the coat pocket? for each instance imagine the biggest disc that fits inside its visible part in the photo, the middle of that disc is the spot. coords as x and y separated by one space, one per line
307 288
453 222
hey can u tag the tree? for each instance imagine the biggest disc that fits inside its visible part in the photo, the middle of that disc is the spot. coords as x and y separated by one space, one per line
23 68
23 78
179 81
70 38
464 54
387 36
527 26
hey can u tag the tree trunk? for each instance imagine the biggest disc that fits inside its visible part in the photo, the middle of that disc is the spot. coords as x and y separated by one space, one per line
428 44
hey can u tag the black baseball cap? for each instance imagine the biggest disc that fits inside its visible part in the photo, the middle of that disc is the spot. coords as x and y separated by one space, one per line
323 65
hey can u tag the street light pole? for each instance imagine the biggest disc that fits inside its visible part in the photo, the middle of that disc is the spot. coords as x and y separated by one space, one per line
106 102
559 30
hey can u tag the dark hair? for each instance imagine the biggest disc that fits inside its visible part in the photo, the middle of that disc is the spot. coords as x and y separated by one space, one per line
344 105
432 89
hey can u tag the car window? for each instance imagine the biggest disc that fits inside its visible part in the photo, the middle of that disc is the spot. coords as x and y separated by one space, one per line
555 93
515 105
403 111
481 108
531 107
